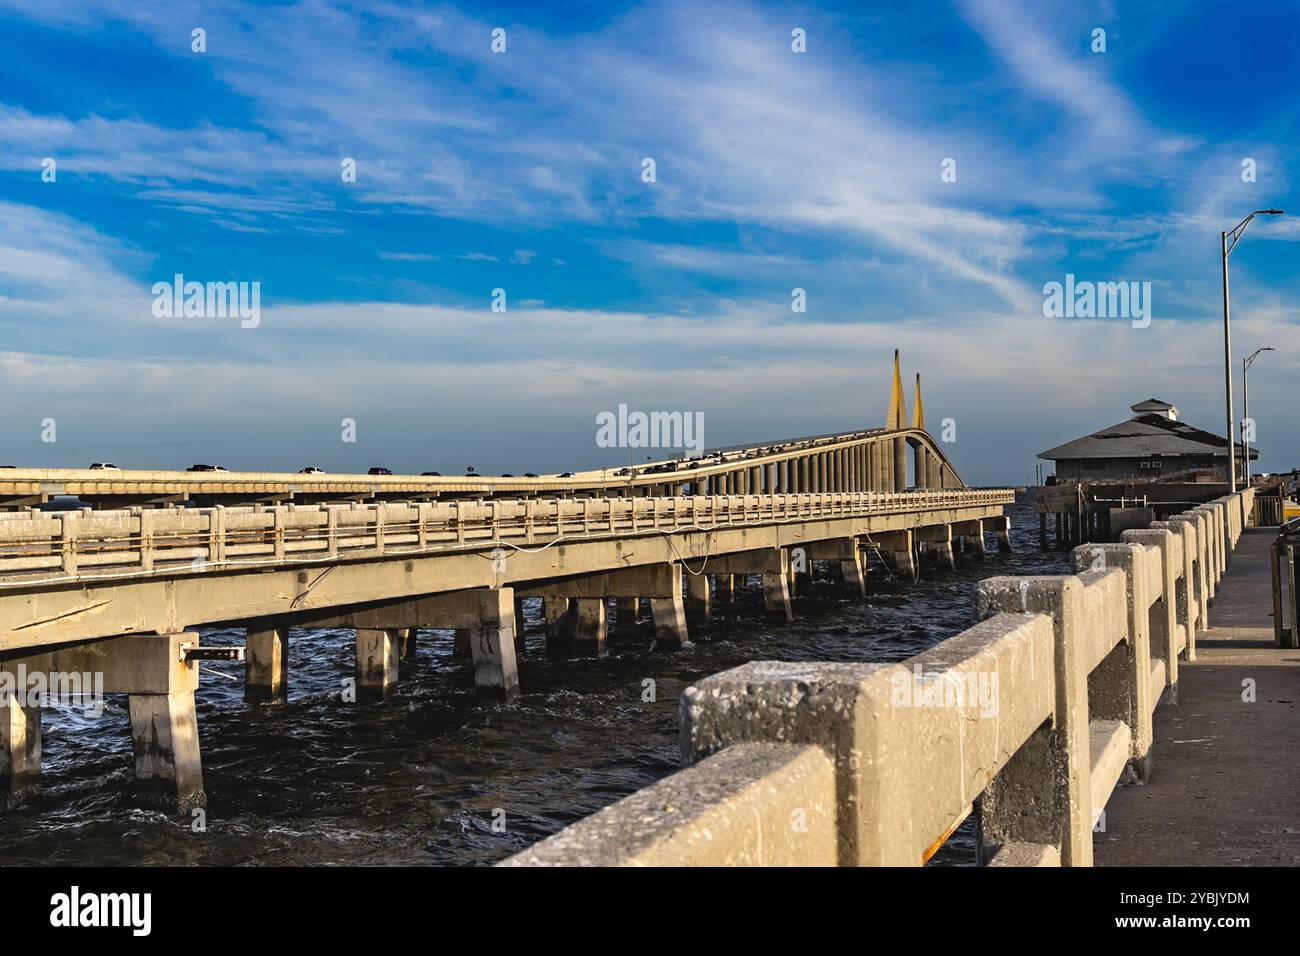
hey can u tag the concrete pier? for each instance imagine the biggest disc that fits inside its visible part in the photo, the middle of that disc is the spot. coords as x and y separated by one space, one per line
699 597
20 753
1032 720
266 664
669 615
377 661
1229 760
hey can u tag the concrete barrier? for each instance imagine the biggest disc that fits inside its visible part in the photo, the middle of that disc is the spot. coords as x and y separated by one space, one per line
1029 719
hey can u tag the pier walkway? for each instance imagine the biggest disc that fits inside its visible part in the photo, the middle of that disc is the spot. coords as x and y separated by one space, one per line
1226 759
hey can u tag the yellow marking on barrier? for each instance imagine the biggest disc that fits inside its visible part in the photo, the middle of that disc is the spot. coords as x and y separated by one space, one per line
934 847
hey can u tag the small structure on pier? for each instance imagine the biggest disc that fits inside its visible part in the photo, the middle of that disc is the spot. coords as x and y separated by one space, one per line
1150 445
1128 474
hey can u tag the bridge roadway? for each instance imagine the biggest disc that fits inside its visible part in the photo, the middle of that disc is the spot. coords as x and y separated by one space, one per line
865 460
117 592
1231 750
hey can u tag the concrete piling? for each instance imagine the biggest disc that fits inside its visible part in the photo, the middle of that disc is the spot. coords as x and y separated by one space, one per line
699 598
669 615
266 664
378 657
20 753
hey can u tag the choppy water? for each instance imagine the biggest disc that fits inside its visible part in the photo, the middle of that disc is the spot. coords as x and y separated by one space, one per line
417 779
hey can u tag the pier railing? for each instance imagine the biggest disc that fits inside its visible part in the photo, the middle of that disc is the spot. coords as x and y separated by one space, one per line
59 545
1032 716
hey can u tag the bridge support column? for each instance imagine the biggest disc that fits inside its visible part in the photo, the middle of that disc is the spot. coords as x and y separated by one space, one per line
164 728
776 585
492 644
152 670
846 558
589 627
670 622
699 604
939 537
973 533
378 656
1043 794
266 664
901 548
628 611
559 626
661 583
854 578
1001 526
900 464
20 753
726 587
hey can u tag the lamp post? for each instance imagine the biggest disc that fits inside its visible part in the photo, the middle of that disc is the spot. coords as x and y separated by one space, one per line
1246 363
1229 241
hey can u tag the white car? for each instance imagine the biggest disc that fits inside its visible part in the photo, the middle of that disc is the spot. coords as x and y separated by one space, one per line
103 466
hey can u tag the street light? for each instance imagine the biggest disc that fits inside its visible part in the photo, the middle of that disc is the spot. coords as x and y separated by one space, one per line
1246 363
1229 241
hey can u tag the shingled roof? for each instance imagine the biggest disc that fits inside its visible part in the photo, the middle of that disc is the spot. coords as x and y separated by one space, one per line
1142 436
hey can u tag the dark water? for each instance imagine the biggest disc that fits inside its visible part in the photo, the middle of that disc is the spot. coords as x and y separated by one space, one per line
417 779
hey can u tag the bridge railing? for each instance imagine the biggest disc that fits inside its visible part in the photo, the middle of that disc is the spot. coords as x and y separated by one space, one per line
1034 714
77 544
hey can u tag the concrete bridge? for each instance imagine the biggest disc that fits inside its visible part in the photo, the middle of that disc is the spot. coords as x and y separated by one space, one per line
1027 721
118 591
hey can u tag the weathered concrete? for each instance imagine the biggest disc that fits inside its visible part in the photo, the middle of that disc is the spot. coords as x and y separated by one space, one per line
1120 688
1223 790
1044 794
669 615
266 664
699 597
750 805
1030 719
377 660
20 753
160 682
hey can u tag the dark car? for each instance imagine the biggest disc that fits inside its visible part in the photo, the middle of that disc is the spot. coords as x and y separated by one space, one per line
530 474
506 475
206 468
567 474
311 470
431 474
379 471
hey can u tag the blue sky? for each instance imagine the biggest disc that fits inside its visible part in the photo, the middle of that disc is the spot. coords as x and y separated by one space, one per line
522 171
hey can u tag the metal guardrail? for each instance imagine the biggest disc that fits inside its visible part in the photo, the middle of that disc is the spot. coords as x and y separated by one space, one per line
75 545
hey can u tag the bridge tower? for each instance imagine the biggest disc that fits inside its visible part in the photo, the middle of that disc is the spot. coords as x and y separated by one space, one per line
896 420
921 461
